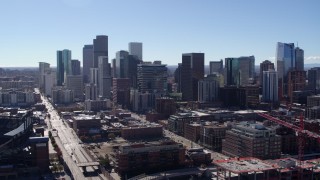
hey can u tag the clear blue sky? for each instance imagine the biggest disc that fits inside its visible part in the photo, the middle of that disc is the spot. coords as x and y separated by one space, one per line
33 30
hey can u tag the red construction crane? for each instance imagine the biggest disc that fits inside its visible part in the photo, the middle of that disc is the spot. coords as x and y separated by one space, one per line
299 129
301 134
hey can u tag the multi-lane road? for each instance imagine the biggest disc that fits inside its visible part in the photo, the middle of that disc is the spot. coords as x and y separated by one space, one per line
69 143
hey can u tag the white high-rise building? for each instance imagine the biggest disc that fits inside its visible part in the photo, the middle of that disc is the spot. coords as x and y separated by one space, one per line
91 91
43 69
94 76
50 79
135 48
270 86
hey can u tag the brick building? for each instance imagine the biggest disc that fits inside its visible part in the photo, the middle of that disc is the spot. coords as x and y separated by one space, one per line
252 140
121 91
86 124
165 106
177 122
40 152
149 156
142 132
296 82
211 136
192 132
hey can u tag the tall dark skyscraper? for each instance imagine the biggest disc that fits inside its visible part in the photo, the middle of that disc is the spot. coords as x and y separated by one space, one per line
299 53
104 70
100 48
63 65
75 67
133 62
285 61
122 64
192 70
239 70
314 79
60 69
87 55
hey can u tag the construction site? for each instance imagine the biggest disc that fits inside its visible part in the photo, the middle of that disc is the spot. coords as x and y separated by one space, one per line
278 169
281 168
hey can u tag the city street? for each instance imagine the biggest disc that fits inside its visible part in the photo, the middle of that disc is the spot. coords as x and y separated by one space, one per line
68 142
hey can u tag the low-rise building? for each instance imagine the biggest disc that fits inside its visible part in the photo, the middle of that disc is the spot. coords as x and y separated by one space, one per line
192 132
142 132
177 122
211 136
198 156
86 124
144 157
252 140
97 105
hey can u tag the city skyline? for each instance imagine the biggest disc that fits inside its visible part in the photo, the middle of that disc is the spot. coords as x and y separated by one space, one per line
167 29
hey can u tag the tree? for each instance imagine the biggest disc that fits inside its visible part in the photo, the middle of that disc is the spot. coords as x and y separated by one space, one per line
54 168
60 168
111 136
104 161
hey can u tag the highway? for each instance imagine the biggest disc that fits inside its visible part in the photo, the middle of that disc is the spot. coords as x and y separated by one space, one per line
68 142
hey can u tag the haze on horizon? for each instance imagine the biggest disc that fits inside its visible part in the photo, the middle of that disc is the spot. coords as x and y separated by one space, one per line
32 31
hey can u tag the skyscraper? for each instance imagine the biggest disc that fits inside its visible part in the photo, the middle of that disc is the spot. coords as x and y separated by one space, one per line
87 55
75 67
121 91
314 79
135 48
285 58
133 62
43 69
104 77
296 81
91 91
94 76
49 82
208 89
60 69
299 53
152 78
266 65
122 65
270 86
239 70
100 48
75 83
192 70
63 65
216 67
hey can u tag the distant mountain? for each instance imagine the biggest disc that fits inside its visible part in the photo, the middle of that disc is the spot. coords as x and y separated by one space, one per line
311 65
171 68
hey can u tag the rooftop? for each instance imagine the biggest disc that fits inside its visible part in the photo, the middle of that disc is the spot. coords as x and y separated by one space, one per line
243 165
